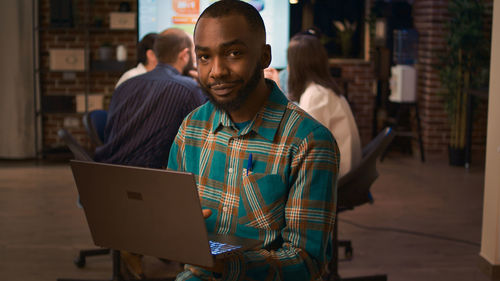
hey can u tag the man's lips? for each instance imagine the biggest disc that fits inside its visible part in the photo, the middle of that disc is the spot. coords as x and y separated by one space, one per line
222 89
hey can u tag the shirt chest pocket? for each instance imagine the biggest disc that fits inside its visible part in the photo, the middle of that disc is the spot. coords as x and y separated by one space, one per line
263 199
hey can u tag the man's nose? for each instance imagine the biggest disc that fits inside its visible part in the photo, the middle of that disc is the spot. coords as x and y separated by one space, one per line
219 68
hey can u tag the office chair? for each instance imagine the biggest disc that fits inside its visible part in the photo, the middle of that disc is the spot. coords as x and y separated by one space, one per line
78 151
94 122
81 154
353 189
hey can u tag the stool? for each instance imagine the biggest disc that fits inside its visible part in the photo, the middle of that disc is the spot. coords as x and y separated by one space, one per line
405 107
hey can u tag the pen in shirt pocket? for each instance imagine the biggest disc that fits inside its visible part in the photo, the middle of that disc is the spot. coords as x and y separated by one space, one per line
249 163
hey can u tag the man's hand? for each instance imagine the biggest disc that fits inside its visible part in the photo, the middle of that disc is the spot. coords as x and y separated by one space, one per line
273 74
194 74
206 213
219 263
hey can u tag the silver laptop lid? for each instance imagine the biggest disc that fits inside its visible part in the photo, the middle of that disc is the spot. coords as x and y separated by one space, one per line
146 211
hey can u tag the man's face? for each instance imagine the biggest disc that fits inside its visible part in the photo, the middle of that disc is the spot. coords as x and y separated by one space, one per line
229 60
189 66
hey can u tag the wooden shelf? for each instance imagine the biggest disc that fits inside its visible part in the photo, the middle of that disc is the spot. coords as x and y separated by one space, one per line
110 66
60 92
98 66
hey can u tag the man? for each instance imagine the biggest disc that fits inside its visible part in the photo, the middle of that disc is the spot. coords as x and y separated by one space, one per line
189 71
146 58
147 110
264 168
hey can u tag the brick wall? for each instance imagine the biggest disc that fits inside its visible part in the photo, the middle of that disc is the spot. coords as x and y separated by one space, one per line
358 73
57 83
430 18
360 77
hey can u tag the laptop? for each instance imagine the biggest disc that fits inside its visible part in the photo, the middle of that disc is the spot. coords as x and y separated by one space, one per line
151 212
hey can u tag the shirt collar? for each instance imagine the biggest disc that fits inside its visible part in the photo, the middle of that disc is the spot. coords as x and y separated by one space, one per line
265 122
167 67
141 67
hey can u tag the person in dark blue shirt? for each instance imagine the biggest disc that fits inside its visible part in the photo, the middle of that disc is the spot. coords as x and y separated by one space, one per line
146 111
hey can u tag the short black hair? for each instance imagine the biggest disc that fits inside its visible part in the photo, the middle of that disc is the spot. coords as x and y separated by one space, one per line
144 45
224 8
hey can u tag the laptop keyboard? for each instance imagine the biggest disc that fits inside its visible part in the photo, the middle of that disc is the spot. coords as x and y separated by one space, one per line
219 248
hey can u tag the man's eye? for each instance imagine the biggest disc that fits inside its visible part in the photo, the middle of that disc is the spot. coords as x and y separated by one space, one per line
234 53
203 58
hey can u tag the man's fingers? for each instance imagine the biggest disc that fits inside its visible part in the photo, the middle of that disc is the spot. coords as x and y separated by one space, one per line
206 213
193 73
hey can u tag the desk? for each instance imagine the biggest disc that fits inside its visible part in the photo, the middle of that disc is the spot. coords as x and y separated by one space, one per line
482 94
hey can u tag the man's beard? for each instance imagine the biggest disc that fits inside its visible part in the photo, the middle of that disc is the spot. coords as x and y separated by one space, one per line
242 94
189 66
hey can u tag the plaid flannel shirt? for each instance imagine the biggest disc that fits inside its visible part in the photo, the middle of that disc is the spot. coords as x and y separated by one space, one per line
285 197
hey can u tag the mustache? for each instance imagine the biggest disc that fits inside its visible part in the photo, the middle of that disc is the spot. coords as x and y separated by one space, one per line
222 82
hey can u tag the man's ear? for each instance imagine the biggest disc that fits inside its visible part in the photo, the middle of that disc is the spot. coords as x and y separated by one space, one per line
150 55
183 55
265 58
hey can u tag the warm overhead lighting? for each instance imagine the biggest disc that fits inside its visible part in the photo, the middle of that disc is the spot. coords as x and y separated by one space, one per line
380 31
294 2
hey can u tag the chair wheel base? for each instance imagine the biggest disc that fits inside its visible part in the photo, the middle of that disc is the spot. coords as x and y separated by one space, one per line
348 252
79 261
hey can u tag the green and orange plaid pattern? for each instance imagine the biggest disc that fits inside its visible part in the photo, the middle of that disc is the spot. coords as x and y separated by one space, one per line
286 196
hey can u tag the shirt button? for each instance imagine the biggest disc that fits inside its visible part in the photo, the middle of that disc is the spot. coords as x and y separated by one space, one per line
224 209
230 170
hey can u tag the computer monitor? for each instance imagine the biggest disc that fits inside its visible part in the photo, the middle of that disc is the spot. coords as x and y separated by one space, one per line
158 15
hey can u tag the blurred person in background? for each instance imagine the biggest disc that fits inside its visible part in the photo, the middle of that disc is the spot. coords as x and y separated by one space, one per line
146 58
311 85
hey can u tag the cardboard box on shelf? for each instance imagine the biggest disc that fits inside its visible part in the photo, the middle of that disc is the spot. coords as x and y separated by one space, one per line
67 59
122 20
94 102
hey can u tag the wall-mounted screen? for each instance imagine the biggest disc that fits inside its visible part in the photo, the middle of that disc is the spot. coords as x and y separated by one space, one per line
158 15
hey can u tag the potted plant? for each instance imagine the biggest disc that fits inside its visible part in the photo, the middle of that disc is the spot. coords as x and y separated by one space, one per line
462 68
345 31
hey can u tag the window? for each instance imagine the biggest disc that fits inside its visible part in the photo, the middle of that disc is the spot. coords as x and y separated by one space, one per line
342 25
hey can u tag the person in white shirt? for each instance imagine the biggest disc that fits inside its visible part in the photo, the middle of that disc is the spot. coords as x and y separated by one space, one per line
314 89
145 57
